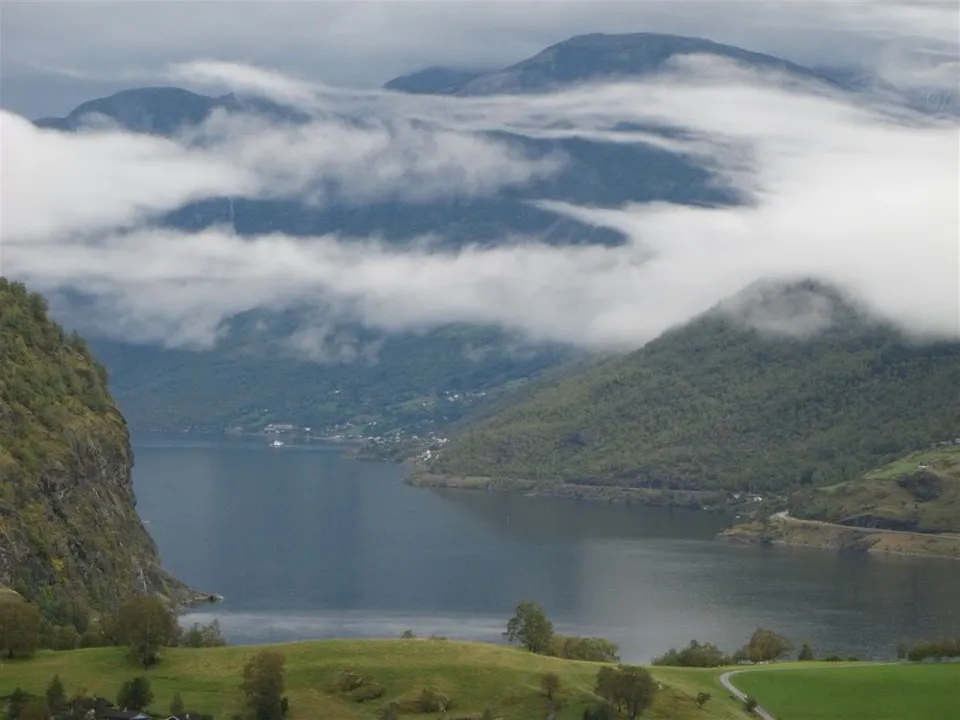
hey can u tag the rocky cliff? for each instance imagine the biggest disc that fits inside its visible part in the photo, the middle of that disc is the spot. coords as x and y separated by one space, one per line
70 536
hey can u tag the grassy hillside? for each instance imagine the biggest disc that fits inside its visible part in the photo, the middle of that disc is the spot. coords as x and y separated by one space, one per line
477 676
877 692
70 537
718 406
920 492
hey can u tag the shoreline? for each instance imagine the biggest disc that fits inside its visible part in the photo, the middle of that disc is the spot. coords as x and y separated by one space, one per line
709 501
796 532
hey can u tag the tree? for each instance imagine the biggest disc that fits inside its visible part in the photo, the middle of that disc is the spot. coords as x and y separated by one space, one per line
631 689
608 685
262 686
702 699
530 627
176 705
750 704
638 689
145 624
550 683
56 695
135 694
198 636
19 628
764 646
806 653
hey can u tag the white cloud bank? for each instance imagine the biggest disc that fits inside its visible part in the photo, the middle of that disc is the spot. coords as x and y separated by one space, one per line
865 198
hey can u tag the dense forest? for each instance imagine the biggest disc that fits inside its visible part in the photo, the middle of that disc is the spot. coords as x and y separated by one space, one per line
719 405
70 537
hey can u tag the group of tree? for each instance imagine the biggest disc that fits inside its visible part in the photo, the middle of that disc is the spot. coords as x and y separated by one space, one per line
262 685
696 654
930 650
144 624
531 628
763 646
134 695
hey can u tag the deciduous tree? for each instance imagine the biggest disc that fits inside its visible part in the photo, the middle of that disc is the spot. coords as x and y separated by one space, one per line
263 684
550 684
764 646
530 627
19 628
145 624
630 689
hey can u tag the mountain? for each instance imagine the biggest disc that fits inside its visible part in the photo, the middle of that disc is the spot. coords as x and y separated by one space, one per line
163 110
378 384
721 407
70 536
916 493
160 110
432 80
600 56
390 379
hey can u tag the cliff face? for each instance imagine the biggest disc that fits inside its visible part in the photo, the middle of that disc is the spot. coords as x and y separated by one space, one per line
70 536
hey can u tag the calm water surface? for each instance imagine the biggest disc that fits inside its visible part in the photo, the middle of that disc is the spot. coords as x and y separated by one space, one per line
305 544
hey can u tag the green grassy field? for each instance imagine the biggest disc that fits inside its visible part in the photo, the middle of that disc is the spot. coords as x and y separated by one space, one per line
871 692
477 676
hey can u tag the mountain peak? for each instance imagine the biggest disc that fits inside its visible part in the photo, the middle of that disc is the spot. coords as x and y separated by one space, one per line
588 57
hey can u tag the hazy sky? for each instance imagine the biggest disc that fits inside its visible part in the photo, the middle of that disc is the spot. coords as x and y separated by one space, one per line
57 53
865 197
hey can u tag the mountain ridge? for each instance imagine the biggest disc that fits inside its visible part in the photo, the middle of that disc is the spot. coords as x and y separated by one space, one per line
720 407
70 536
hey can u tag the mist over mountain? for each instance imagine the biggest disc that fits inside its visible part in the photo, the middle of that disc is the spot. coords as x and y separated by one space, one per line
465 233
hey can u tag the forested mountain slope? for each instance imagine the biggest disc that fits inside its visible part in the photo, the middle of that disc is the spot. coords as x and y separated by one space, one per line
70 537
716 405
917 493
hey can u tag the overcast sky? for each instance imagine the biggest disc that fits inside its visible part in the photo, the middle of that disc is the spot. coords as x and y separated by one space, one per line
56 54
862 196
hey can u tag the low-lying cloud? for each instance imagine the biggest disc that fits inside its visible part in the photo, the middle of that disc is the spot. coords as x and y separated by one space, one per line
863 197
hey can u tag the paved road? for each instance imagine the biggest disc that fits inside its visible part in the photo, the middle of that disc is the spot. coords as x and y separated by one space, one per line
740 695
785 515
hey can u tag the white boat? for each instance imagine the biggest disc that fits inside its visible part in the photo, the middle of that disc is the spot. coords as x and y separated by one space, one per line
276 443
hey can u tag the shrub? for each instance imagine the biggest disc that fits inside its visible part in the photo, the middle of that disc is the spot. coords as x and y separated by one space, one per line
348 680
592 649
367 691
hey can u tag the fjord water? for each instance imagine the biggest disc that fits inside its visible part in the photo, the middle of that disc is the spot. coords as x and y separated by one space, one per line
306 544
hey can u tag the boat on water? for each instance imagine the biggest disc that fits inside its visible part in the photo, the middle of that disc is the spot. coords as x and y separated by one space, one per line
277 443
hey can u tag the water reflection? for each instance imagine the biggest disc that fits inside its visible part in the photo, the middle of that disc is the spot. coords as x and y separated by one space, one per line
306 544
